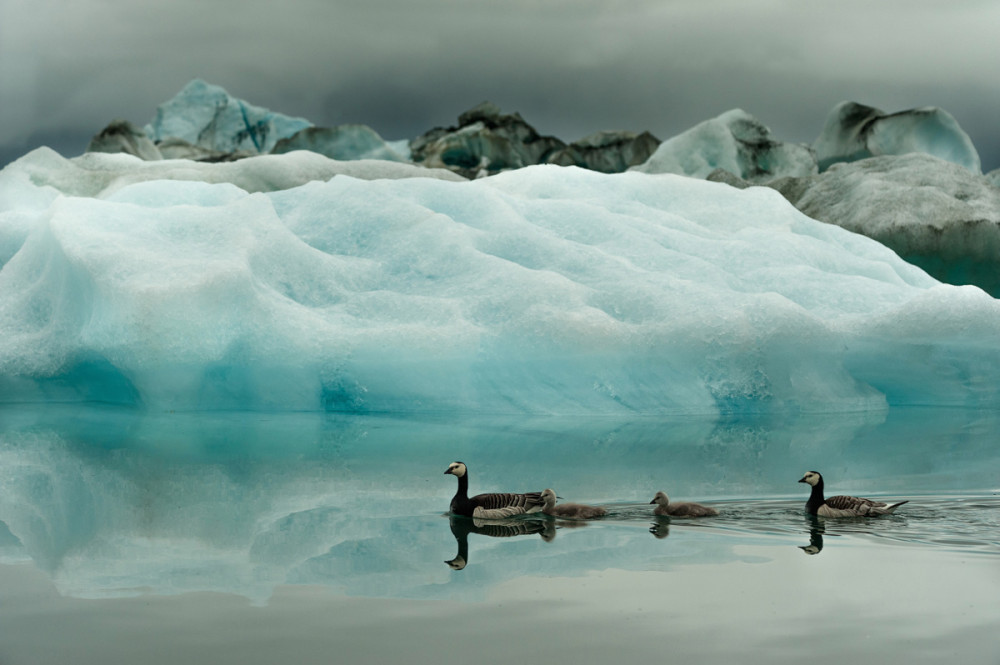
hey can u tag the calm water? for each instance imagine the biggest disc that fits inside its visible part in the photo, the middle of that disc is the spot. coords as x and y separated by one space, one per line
250 538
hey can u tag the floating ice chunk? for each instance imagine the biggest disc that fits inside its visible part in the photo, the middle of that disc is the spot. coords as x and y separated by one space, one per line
123 136
208 116
734 141
545 290
607 152
346 142
931 212
854 131
485 142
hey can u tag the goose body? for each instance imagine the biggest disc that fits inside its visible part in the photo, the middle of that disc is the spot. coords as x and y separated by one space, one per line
498 505
577 511
842 506
684 509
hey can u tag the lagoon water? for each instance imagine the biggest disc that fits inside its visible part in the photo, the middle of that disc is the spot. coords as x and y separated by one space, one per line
312 295
311 538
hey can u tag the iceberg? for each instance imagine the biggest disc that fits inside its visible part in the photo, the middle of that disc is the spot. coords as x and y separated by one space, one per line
346 142
734 141
933 213
854 131
290 282
123 136
207 116
485 142
607 152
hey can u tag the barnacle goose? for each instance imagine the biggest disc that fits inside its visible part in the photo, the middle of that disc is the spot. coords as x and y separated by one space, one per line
571 510
684 509
842 506
489 506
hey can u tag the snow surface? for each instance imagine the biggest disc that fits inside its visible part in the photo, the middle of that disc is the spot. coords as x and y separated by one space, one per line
854 131
545 290
734 141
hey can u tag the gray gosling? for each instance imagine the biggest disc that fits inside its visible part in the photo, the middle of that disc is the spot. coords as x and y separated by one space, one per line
842 506
683 509
577 511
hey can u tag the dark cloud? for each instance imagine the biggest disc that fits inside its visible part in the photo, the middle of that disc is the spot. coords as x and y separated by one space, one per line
570 67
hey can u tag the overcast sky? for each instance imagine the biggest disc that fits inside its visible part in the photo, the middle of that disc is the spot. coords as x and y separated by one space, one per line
569 67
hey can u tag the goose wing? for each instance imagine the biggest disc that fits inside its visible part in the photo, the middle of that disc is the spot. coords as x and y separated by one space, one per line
841 506
499 505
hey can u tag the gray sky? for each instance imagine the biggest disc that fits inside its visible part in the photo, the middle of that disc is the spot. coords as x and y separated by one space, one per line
570 67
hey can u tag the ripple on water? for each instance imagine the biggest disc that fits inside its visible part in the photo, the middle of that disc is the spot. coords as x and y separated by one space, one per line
966 523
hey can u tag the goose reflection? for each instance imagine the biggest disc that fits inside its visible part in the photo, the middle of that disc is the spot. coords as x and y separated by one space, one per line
816 531
660 528
461 527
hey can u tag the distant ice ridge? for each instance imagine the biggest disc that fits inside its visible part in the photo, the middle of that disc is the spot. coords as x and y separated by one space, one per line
545 290
209 117
854 131
736 142
346 142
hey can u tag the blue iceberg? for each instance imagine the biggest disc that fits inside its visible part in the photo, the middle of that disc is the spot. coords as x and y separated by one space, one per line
274 283
207 116
854 131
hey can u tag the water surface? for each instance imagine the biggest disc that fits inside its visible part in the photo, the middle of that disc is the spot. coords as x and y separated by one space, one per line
246 538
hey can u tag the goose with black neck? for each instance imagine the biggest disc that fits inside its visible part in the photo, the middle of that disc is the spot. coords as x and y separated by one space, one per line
842 506
496 505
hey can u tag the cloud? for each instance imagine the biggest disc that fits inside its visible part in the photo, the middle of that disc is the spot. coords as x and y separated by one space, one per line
570 67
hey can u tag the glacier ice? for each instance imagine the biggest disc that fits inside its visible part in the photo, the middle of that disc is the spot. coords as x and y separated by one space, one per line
275 284
43 172
485 142
345 142
207 116
933 213
123 136
854 131
734 141
607 152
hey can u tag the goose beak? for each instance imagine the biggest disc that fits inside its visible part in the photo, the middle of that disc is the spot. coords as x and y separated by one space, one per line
653 501
447 471
801 480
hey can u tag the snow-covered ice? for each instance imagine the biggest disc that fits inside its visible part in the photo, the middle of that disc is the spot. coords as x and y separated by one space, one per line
545 290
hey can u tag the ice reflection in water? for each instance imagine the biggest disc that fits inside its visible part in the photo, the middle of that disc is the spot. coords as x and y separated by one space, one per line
334 529
110 503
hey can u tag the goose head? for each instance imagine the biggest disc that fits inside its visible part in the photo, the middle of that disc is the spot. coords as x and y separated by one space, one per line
811 478
549 497
661 498
457 469
458 563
